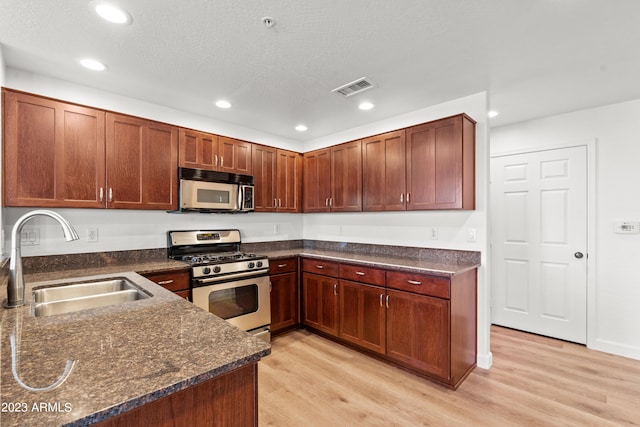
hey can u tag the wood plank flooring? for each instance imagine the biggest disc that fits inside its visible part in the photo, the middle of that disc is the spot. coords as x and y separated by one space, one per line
535 381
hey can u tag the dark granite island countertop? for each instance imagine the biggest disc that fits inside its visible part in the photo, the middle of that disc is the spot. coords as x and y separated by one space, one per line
124 356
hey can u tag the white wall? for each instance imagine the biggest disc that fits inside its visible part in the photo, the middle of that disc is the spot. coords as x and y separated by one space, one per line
414 228
2 83
614 299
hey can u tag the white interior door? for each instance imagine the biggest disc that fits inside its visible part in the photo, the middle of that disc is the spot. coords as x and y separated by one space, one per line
539 243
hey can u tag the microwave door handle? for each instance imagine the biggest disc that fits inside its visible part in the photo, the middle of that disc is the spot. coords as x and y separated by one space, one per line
240 197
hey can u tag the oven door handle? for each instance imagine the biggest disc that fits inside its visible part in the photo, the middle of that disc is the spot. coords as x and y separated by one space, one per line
229 277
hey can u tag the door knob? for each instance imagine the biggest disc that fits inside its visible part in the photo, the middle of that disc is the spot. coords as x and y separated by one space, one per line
578 255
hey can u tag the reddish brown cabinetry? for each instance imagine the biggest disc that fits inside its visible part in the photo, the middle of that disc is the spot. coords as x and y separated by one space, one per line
333 179
63 155
277 178
383 172
201 150
54 153
177 282
141 159
284 294
423 322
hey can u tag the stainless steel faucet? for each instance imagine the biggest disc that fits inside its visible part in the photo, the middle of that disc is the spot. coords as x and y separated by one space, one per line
15 287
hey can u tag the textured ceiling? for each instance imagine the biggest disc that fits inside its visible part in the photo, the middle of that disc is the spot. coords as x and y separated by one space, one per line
534 58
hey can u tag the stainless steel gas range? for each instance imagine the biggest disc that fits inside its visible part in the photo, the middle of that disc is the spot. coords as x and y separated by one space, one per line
226 282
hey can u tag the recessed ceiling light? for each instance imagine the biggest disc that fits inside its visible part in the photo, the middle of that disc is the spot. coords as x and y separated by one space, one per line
223 104
301 128
112 13
492 113
92 64
365 106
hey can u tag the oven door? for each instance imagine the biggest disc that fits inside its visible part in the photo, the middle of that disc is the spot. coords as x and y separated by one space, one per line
244 302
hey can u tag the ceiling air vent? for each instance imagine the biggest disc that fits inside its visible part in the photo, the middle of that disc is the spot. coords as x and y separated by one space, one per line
354 87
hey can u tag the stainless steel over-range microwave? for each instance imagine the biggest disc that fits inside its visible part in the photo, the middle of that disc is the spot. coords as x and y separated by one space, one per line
210 191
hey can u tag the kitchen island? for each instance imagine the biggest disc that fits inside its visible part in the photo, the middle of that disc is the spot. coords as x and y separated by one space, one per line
125 357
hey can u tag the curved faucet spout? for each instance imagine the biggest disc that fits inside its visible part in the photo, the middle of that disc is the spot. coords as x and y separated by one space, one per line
15 287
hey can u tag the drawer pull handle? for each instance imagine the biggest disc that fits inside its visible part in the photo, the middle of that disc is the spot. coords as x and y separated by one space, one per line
414 282
165 282
335 289
320 266
360 273
282 265
387 301
381 296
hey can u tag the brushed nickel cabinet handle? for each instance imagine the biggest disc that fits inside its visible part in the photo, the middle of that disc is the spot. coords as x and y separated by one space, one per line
282 265
165 282
381 304
360 273
215 162
414 282
408 197
401 197
326 202
279 203
387 301
101 194
221 161
330 202
320 266
110 194
335 289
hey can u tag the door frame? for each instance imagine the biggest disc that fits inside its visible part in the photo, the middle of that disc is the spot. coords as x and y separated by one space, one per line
591 146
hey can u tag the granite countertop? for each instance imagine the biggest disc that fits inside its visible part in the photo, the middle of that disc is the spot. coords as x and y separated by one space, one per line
443 267
125 355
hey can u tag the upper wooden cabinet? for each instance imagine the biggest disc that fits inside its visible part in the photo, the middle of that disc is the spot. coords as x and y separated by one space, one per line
201 150
63 155
141 163
54 153
277 178
333 179
428 166
441 164
198 150
383 172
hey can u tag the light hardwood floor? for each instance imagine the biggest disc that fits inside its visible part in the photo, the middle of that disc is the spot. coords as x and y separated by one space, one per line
311 381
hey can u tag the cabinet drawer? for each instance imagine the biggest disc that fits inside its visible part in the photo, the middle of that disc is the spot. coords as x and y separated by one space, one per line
173 281
419 283
287 265
362 274
326 268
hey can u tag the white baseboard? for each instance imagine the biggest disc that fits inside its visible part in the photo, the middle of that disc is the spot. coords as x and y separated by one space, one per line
485 361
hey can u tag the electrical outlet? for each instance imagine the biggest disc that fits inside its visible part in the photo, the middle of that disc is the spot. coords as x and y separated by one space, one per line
30 237
92 234
276 228
434 233
472 234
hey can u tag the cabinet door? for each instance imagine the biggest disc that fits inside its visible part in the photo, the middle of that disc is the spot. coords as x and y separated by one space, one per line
234 155
418 332
284 301
317 180
441 164
383 172
198 150
320 302
289 174
142 158
264 176
53 153
346 177
362 315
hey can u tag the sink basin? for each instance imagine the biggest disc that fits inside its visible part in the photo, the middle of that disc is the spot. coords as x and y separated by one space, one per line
73 297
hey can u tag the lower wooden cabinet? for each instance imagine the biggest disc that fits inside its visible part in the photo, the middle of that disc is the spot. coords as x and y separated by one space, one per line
362 315
177 282
419 321
227 400
320 302
418 332
284 294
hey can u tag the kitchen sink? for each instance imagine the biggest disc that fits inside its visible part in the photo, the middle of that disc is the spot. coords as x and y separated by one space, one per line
68 298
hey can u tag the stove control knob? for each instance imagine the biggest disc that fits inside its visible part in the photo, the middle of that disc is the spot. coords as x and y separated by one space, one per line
216 269
206 270
252 264
259 264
